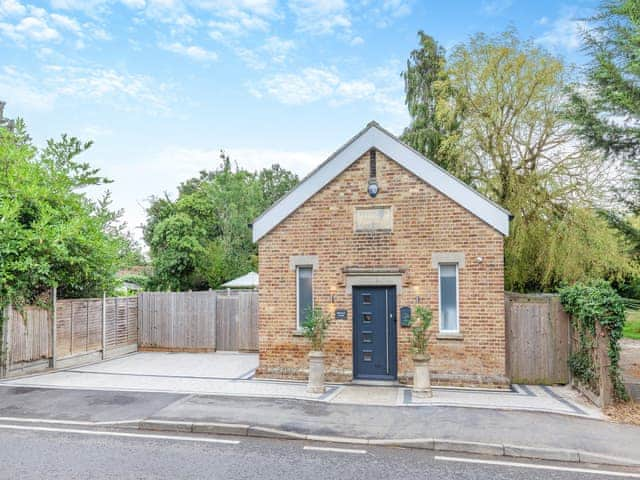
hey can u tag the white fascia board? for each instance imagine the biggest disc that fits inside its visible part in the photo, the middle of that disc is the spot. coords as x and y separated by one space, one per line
374 137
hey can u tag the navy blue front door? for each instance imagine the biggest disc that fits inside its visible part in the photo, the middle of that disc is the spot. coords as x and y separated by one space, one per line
374 333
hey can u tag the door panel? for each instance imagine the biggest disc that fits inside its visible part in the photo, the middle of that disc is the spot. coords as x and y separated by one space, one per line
374 333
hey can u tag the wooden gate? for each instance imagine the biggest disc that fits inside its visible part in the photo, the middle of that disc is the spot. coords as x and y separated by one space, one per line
537 338
237 321
198 321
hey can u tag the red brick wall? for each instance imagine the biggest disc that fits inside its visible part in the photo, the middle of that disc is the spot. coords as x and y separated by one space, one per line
424 221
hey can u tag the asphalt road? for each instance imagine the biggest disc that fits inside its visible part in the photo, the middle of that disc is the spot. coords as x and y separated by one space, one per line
37 452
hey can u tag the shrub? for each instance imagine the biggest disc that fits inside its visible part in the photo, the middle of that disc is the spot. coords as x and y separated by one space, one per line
315 327
420 330
588 303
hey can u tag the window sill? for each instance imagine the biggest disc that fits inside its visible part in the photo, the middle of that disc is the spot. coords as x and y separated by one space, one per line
449 336
298 333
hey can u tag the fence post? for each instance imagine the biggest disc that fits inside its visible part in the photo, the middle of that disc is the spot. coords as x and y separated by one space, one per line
104 324
4 341
603 361
54 325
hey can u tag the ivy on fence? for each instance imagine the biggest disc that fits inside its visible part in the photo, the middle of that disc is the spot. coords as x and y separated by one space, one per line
588 303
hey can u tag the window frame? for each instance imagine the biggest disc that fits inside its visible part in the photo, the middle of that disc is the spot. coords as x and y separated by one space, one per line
440 316
298 267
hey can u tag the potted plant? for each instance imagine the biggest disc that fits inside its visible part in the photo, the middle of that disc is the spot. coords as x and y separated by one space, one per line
419 345
315 329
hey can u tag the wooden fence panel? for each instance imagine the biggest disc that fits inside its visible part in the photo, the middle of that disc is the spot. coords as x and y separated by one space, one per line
198 321
29 335
227 322
537 338
248 321
181 321
80 327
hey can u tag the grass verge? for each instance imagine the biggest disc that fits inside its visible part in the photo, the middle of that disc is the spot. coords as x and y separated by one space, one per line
631 327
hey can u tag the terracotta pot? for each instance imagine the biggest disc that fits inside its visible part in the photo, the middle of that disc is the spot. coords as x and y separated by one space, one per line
421 377
316 372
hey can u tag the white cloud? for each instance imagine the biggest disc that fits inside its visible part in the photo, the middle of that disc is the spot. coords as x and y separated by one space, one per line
12 8
33 28
311 85
192 51
397 8
119 89
383 89
65 22
320 16
355 90
134 4
565 32
277 48
357 41
495 7
21 89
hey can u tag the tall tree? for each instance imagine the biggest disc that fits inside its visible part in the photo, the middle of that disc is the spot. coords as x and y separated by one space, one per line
425 81
203 239
605 109
514 145
52 234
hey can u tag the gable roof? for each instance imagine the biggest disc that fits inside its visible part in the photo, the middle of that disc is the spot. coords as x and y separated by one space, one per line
374 136
250 280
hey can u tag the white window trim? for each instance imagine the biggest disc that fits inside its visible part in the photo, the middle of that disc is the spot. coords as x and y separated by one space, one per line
298 267
442 330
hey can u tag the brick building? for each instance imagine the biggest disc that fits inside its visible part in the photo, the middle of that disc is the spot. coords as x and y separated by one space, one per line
374 231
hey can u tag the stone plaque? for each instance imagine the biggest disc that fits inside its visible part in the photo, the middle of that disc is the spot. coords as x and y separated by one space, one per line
373 219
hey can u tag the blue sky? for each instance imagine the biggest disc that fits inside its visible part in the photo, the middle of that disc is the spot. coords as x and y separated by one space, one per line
162 85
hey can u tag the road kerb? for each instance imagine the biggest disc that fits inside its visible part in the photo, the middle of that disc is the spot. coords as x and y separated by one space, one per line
421 443
221 428
494 449
558 454
586 457
165 426
264 432
469 447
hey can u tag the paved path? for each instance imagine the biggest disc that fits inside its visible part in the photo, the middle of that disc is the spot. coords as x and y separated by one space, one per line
28 454
232 374
533 429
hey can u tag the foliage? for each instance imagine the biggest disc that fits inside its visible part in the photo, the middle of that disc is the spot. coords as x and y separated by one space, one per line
605 110
203 239
137 278
425 80
588 303
51 234
315 327
420 334
631 327
512 142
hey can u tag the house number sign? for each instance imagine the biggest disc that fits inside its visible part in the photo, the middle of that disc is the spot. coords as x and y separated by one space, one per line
341 314
405 316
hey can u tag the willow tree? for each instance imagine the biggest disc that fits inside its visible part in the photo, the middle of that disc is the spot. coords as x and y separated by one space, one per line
513 145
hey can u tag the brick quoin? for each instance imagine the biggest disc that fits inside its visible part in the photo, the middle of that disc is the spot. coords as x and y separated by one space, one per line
424 222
